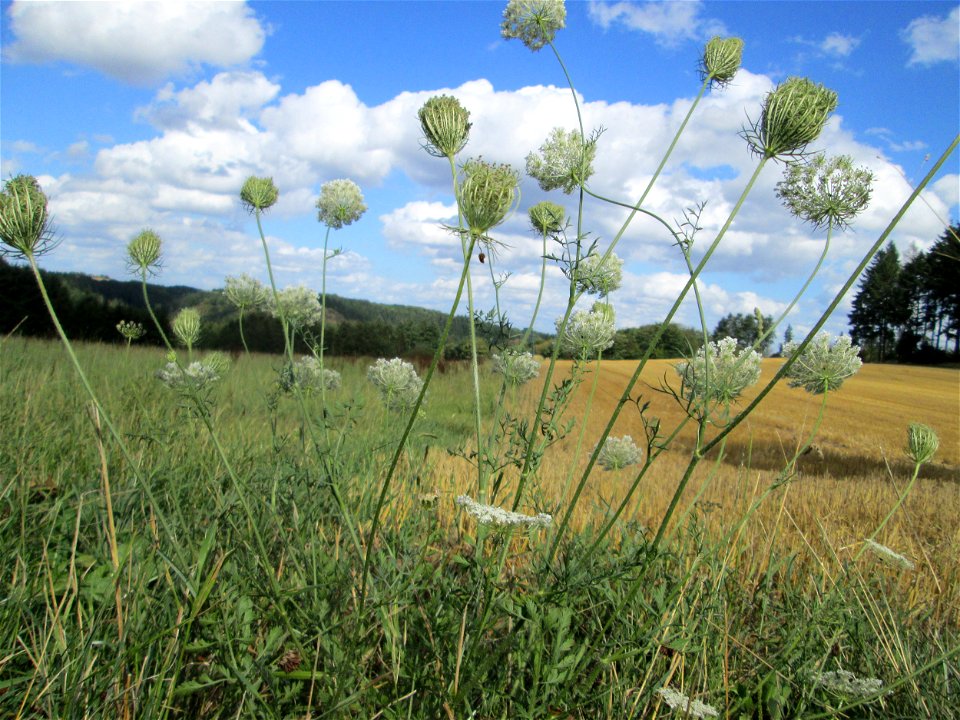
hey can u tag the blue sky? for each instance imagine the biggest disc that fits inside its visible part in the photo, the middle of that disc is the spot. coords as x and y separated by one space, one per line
152 114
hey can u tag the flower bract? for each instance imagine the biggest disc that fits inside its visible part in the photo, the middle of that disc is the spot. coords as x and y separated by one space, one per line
445 124
258 193
24 223
721 59
487 193
143 252
793 116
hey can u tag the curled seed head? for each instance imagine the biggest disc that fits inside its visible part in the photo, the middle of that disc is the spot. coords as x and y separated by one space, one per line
143 251
258 193
721 60
793 116
922 443
186 326
488 192
24 223
547 218
445 124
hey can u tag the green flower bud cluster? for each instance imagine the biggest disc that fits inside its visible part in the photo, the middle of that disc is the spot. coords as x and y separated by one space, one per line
487 193
516 367
721 60
719 373
823 366
793 116
547 218
24 223
340 203
445 124
825 192
258 194
618 453
246 293
598 276
130 330
533 22
143 252
565 160
397 381
186 326
298 305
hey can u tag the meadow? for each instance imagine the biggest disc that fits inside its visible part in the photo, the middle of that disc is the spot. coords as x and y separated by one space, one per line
190 535
743 610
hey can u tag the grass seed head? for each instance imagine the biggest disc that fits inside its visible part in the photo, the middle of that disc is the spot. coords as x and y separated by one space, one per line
445 124
533 22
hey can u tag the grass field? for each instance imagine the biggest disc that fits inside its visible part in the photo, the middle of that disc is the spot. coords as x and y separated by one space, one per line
214 573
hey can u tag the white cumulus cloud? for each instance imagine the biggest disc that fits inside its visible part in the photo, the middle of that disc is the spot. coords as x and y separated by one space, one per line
668 22
934 39
136 42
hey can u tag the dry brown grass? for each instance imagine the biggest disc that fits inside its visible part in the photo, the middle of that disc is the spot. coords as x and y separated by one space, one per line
844 488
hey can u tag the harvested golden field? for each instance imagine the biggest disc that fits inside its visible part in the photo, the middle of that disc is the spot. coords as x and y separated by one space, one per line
844 488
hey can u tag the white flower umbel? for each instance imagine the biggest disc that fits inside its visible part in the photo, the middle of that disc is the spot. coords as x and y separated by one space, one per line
516 367
197 376
308 375
823 366
493 515
534 22
299 305
245 292
397 381
588 333
719 373
894 558
599 278
684 705
340 203
618 453
845 683
565 161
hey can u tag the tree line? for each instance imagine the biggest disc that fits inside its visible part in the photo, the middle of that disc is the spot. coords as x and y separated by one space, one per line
908 310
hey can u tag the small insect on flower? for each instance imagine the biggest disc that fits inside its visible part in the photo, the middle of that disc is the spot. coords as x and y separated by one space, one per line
340 203
493 515
564 161
823 366
685 705
534 22
618 453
